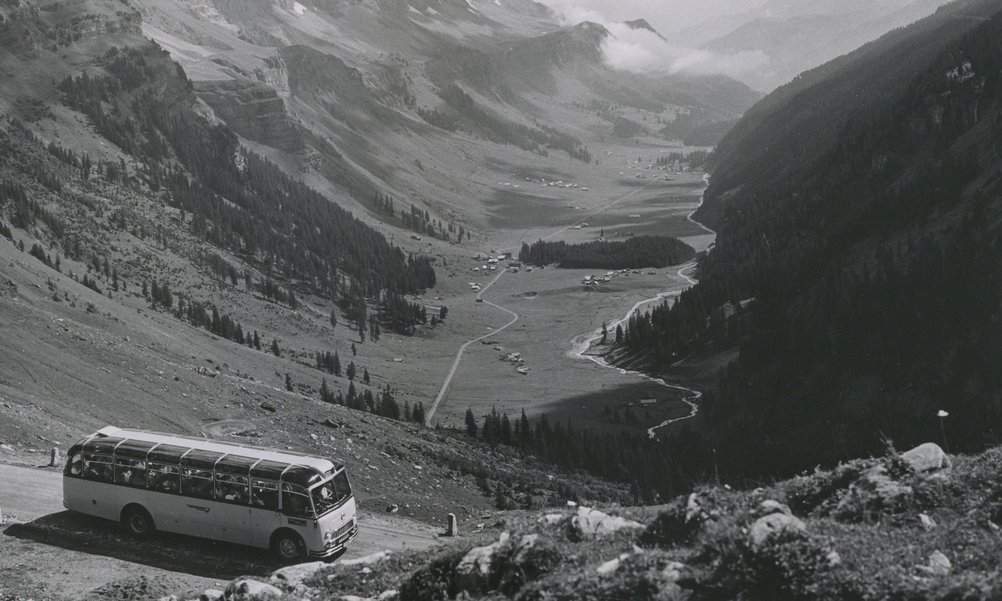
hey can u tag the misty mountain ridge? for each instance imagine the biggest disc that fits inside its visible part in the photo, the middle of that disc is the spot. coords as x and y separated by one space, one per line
796 36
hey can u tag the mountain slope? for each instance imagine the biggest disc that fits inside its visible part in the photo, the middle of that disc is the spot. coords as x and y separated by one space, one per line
856 261
394 102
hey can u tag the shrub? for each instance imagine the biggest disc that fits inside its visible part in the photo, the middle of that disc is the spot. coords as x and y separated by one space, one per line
787 566
515 568
671 528
820 493
640 577
435 581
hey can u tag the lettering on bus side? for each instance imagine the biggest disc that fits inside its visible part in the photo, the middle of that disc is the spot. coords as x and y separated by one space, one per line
297 522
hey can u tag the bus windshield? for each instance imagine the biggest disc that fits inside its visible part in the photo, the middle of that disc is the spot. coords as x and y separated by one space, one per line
331 494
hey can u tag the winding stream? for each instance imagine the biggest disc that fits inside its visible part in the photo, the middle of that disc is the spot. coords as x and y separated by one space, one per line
583 343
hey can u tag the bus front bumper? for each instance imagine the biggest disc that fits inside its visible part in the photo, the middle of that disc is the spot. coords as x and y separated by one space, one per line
337 546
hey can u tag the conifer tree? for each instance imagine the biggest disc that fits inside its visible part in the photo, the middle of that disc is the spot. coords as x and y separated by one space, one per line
471 423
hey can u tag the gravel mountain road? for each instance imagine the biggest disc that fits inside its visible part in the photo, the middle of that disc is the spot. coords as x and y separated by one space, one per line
38 534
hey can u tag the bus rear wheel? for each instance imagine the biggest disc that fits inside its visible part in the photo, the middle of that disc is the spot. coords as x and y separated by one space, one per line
288 546
137 521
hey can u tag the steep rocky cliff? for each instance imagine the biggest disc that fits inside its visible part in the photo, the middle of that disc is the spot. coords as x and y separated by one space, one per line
253 110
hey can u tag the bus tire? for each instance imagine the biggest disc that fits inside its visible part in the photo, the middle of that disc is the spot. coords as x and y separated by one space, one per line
288 547
138 522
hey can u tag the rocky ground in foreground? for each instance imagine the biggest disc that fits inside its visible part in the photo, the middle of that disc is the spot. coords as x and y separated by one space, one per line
916 525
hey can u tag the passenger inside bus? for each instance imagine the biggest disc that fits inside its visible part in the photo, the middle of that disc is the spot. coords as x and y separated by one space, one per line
98 471
163 480
229 488
264 494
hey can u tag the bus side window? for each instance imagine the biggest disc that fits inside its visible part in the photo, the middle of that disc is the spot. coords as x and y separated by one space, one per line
231 488
294 502
130 472
74 465
163 478
196 483
98 467
264 494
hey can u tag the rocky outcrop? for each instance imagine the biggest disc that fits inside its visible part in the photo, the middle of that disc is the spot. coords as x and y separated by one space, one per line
592 523
473 573
772 525
245 589
8 288
254 111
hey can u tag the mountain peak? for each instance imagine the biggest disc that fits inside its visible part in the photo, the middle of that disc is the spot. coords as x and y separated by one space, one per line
642 24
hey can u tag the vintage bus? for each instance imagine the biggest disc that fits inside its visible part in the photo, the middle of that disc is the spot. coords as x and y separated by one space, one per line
296 505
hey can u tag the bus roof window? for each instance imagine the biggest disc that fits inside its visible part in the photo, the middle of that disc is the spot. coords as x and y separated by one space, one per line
136 449
166 453
301 475
269 470
235 464
102 446
201 459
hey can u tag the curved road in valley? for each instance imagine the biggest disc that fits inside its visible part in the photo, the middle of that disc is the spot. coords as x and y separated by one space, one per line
459 355
515 317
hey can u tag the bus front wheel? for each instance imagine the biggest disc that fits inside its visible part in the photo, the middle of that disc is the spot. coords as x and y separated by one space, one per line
137 521
288 546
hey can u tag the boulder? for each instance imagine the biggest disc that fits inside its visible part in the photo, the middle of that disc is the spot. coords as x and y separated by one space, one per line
939 565
551 519
211 594
694 509
245 589
473 573
673 571
774 523
592 523
608 567
771 506
928 457
927 522
366 560
292 577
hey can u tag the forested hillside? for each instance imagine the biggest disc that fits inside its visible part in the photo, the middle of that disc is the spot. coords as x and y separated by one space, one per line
857 262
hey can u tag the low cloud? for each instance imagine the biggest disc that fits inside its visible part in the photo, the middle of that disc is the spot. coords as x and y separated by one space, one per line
642 51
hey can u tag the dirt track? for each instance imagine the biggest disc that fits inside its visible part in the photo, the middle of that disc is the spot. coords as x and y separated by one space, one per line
41 536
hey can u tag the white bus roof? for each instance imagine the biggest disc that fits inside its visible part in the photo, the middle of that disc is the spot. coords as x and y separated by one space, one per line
292 458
